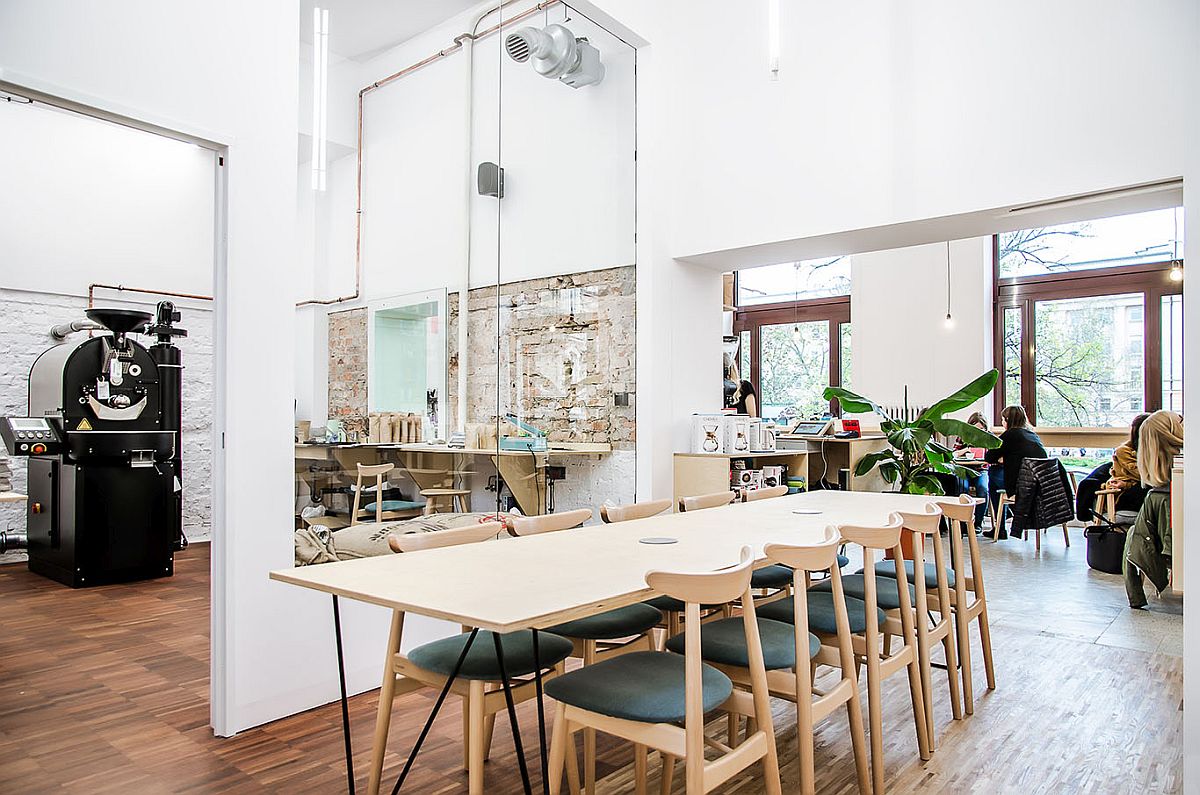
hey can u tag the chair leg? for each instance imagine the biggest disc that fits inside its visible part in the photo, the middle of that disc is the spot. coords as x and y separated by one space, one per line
732 723
558 751
475 736
1037 540
639 769
489 728
962 630
1066 535
875 718
949 643
859 741
985 638
926 670
918 703
668 774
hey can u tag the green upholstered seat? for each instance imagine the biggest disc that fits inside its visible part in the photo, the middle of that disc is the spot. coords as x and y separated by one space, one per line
646 686
820 612
773 576
887 591
724 642
669 604
620 623
394 505
887 568
440 656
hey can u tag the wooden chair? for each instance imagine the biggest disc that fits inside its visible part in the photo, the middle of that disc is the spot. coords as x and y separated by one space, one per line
644 697
791 646
929 578
378 471
637 510
415 542
480 689
998 511
596 637
706 501
1105 505
970 601
547 523
457 498
754 495
867 645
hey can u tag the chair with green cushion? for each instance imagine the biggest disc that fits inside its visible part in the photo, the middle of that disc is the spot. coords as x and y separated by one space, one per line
478 681
822 613
597 637
643 697
785 644
900 622
887 593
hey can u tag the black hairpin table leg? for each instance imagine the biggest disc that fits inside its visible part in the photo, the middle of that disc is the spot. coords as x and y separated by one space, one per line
537 677
512 715
436 706
337 632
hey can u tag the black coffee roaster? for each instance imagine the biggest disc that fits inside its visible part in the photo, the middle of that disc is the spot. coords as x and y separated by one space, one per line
103 441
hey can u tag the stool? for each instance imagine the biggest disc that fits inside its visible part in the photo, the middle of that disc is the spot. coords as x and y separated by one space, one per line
369 470
460 498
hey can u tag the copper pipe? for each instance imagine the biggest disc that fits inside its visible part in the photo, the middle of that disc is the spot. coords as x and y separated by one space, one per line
122 288
458 40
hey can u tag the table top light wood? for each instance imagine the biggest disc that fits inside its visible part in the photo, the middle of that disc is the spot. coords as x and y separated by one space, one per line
543 580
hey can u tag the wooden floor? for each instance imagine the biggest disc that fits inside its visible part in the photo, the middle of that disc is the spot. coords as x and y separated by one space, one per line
105 690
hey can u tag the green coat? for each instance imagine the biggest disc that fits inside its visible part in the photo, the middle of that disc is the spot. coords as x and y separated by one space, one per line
1148 546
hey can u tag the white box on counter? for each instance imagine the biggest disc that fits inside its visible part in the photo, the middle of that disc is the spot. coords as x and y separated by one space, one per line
708 433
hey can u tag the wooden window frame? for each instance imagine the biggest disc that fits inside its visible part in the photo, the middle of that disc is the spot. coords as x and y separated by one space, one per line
834 310
1152 280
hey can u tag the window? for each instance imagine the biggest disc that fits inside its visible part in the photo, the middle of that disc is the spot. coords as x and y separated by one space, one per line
793 281
795 348
1086 342
743 357
1140 238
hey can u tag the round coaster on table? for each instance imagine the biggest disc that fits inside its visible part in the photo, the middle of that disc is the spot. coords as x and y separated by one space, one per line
658 540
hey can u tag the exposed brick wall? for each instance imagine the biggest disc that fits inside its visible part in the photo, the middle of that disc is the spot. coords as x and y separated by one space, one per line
25 333
567 348
348 368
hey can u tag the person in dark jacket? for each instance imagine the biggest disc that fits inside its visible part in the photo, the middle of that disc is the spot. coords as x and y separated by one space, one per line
1148 544
1017 443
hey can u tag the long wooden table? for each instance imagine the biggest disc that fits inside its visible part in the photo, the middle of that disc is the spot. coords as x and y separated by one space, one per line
539 581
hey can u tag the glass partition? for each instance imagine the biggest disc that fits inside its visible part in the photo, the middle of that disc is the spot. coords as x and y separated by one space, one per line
485 348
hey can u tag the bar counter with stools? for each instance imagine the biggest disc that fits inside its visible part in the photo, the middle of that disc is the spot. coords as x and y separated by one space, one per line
551 590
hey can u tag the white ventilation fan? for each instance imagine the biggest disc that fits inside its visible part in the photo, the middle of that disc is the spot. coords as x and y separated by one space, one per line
557 54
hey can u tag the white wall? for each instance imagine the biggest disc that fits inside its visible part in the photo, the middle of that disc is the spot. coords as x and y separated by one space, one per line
898 313
86 201
226 70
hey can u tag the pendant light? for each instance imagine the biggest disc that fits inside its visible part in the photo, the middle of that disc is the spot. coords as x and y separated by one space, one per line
949 316
796 303
1176 272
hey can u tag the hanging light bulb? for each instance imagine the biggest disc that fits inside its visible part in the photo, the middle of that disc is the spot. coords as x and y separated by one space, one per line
796 332
949 321
1176 272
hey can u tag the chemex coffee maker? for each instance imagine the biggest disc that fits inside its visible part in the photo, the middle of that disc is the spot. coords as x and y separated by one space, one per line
103 441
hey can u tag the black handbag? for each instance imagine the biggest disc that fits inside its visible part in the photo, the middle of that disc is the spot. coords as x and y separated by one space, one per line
1105 545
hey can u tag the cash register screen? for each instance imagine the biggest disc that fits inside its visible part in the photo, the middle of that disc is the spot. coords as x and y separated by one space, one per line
27 424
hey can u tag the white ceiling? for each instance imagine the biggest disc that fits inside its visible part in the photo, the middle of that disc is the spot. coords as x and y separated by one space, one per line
360 29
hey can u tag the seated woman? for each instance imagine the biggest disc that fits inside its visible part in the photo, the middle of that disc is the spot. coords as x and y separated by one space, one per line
1148 543
1124 466
745 399
977 483
1017 443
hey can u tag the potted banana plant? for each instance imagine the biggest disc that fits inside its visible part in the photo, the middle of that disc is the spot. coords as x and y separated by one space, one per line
916 457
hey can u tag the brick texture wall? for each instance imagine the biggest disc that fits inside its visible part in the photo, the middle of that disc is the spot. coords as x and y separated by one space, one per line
25 333
567 350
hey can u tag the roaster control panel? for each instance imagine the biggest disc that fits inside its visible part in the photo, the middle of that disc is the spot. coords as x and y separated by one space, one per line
31 436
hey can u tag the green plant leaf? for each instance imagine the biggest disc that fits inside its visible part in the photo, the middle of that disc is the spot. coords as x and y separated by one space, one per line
964 397
909 438
947 468
852 401
924 483
870 460
971 436
890 471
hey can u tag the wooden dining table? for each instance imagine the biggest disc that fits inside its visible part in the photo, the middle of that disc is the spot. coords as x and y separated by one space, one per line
536 582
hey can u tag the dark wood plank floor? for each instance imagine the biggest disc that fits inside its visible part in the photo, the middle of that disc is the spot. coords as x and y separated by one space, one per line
106 690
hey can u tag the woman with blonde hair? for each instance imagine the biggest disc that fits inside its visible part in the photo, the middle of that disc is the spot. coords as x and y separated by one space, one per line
1148 542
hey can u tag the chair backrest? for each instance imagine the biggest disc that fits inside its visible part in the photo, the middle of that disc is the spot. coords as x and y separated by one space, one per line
376 471
702 501
637 510
414 542
807 557
706 587
547 523
960 516
878 538
754 495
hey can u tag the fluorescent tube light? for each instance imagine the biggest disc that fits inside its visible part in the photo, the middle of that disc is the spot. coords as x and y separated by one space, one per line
320 121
